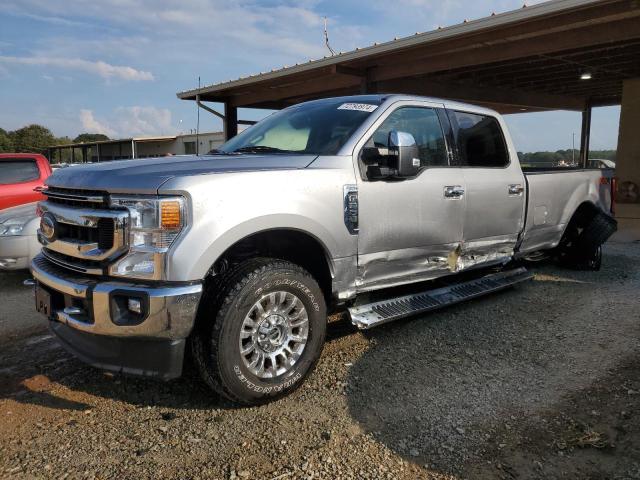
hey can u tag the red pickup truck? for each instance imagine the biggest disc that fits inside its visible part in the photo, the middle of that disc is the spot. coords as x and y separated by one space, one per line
22 177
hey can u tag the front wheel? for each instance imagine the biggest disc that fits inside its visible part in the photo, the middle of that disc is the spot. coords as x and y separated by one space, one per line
261 331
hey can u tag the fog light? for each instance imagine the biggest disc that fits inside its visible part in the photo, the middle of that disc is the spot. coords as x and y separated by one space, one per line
134 305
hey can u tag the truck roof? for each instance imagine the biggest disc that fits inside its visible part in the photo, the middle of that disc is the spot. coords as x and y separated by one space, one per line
395 97
4 156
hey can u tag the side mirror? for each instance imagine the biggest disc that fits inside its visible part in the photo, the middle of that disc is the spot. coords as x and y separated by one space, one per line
403 147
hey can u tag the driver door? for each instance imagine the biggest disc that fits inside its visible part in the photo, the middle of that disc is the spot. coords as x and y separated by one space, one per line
410 228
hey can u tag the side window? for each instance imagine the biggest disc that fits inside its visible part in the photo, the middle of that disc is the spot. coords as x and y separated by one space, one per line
480 140
18 171
425 127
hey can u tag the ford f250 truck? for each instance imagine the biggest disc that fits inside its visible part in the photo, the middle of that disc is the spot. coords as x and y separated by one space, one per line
237 256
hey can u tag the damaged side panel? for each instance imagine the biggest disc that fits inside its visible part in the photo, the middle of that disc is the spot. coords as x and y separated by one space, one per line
398 267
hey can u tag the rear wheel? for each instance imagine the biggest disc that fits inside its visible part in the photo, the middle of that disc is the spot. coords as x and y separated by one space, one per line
591 262
260 331
581 246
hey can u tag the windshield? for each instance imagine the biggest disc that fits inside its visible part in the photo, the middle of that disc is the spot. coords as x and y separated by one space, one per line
314 128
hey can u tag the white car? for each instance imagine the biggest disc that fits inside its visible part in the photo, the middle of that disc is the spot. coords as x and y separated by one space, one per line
18 240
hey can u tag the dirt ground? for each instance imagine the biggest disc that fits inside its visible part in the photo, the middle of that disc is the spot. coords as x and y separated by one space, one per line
540 381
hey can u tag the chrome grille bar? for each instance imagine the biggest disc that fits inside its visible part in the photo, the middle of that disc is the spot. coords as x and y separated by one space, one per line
86 218
74 197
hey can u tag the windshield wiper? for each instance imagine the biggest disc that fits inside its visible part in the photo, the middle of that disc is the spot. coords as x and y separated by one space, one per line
260 149
215 151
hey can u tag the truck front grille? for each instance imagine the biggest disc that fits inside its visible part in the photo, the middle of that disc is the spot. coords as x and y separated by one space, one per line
102 235
79 265
88 234
74 197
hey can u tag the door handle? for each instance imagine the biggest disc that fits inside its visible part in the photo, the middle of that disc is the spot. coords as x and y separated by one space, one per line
453 191
38 189
516 189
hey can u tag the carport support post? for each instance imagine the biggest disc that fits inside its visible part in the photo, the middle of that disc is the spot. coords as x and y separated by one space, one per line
628 157
230 121
585 135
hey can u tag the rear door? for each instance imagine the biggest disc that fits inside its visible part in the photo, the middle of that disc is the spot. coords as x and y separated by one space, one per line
409 227
495 188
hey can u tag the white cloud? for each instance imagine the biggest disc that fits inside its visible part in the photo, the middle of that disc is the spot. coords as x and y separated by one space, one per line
100 68
91 125
134 121
202 25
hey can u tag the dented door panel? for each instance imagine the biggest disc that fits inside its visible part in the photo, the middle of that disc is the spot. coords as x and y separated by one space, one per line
496 195
409 229
494 217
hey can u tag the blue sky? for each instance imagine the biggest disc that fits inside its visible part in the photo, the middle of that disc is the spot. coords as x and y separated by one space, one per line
114 66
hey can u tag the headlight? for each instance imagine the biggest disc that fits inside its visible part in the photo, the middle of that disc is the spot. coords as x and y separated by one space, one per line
154 224
13 226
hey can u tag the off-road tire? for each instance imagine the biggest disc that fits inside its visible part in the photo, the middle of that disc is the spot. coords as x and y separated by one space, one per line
582 248
215 340
597 231
593 262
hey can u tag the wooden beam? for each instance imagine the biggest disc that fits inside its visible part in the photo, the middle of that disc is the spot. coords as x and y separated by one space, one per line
222 94
504 49
604 13
315 86
355 72
482 94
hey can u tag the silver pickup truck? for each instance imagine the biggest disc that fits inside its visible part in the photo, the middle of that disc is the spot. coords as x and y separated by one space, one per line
237 256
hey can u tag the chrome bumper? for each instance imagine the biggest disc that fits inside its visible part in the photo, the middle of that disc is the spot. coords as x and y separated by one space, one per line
170 310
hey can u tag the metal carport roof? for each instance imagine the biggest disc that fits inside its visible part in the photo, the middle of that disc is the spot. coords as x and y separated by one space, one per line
527 59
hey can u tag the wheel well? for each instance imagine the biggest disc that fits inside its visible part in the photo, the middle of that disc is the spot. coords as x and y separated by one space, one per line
292 245
580 219
583 214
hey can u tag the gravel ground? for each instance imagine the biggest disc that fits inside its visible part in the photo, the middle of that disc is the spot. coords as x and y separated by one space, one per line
17 317
541 381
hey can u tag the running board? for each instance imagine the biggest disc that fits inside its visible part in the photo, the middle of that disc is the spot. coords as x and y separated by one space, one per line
374 314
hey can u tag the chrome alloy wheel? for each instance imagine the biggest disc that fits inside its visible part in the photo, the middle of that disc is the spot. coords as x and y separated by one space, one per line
274 334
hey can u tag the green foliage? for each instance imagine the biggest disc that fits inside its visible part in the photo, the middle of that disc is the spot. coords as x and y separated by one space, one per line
36 139
32 138
90 137
561 157
6 145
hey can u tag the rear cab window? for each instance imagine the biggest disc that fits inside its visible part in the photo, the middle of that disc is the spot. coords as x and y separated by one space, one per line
480 142
18 170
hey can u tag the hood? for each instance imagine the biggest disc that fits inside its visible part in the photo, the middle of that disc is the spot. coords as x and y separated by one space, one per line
146 175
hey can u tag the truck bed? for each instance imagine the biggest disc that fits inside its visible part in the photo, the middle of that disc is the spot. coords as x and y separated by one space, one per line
554 195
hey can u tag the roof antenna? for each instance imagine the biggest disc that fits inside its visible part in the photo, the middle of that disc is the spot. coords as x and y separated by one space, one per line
326 38
198 124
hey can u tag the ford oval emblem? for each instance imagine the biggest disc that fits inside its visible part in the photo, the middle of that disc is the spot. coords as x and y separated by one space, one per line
48 227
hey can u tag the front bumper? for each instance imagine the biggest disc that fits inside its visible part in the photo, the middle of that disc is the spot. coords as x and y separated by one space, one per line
91 319
14 252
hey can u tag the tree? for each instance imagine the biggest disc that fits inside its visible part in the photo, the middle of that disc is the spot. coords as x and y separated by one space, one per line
90 137
32 138
6 145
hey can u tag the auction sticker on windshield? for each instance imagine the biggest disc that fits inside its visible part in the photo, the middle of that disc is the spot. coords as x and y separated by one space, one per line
360 107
